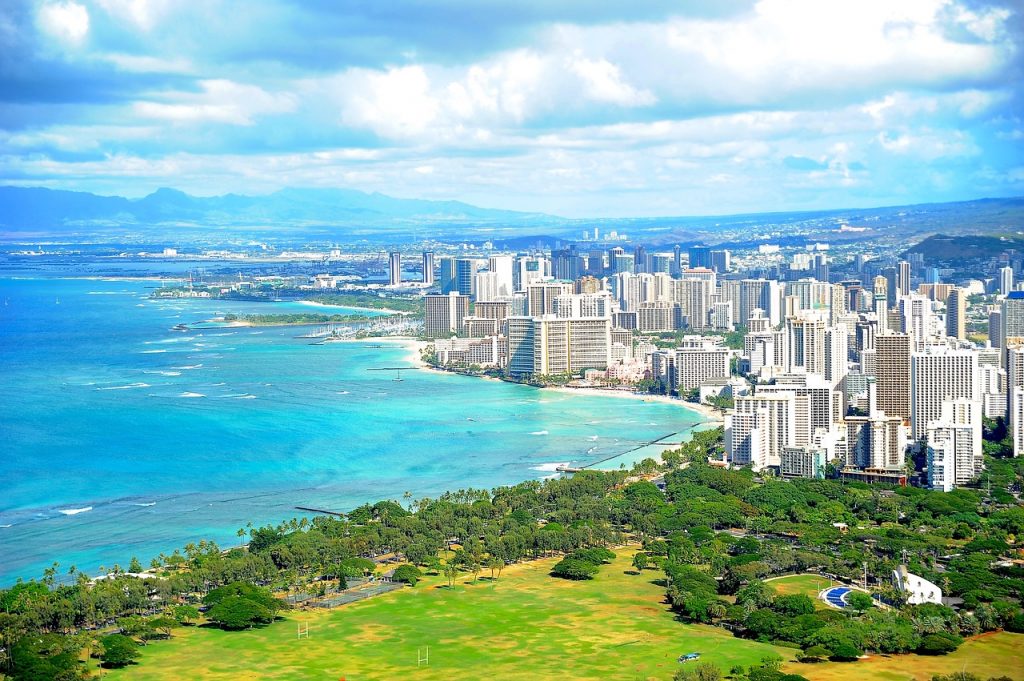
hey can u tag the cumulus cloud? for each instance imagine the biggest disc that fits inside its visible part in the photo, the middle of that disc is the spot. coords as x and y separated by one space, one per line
221 101
603 82
67 22
600 108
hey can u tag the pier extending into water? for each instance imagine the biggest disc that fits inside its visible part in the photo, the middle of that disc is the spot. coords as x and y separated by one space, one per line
577 469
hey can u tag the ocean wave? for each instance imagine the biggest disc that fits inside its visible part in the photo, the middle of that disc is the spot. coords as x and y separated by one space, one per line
153 352
539 432
188 394
163 373
145 504
181 339
189 367
74 511
5 526
549 467
125 387
343 392
593 438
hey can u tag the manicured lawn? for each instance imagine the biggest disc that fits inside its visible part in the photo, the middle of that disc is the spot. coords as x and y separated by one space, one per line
801 584
527 626
994 654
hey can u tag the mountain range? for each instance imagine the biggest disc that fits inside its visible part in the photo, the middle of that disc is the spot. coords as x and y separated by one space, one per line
50 211
31 212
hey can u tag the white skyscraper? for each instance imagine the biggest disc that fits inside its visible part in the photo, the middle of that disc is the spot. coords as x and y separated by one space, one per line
954 445
937 376
1005 280
502 266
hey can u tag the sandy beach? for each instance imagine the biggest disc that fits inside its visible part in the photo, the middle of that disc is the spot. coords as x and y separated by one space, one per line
709 413
385 310
415 348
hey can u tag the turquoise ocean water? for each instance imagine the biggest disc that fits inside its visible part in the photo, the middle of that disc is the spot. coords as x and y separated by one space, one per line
169 437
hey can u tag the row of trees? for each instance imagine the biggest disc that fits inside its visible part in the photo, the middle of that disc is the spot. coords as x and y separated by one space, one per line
689 530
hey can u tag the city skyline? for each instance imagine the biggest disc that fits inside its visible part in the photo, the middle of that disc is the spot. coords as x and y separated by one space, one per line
660 109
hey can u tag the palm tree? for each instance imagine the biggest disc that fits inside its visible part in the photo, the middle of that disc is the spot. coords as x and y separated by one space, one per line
451 571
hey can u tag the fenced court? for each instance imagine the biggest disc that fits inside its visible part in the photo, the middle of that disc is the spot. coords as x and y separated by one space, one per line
358 594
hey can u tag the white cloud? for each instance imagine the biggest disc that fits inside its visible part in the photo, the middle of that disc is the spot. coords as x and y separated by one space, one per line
394 103
144 14
67 21
603 81
221 101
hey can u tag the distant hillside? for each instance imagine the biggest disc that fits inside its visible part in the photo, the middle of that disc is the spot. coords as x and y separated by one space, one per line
346 213
38 210
960 248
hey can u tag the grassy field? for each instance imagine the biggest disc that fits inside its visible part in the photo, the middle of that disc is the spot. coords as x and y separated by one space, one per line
988 655
801 584
527 626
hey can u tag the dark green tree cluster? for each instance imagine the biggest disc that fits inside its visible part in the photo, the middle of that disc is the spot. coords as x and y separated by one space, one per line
583 563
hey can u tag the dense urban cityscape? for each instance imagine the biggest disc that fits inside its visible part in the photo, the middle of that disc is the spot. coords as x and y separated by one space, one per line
477 339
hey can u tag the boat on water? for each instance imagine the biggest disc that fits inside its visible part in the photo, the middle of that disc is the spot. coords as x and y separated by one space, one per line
180 327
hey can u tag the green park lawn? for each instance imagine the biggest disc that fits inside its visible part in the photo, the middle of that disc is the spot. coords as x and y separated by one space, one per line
810 585
526 626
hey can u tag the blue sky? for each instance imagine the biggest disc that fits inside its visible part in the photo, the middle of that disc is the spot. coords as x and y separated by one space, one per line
577 108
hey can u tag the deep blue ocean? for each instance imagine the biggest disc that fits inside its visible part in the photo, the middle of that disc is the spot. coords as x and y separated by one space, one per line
168 437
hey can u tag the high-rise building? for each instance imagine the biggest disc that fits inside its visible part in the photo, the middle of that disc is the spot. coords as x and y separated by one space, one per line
804 462
916 316
465 272
721 261
1005 280
892 374
837 353
903 277
892 287
954 445
700 256
721 317
661 262
502 266
1013 319
428 268
817 406
443 314
995 327
640 260
936 376
806 345
658 316
677 260
697 361
565 264
555 345
395 268
876 442
956 314
541 296
760 428
448 283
